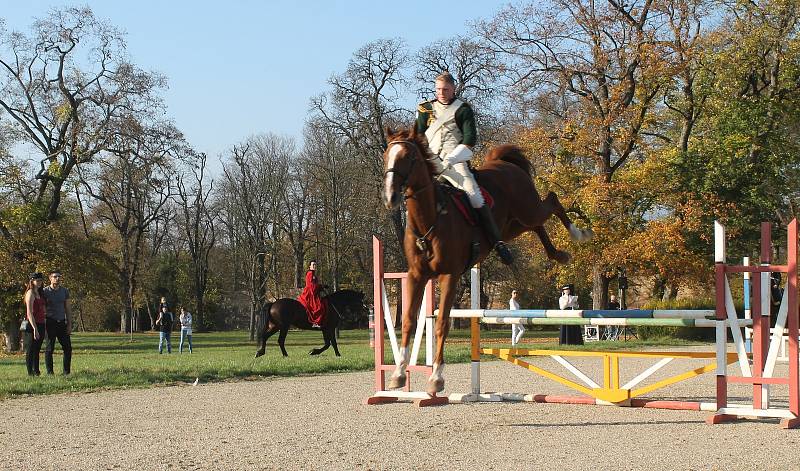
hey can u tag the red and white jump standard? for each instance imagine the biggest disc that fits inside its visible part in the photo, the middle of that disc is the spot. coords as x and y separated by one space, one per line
765 351
385 325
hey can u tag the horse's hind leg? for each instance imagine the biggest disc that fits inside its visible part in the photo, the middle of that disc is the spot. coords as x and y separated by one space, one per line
416 286
334 345
282 340
553 253
551 205
271 329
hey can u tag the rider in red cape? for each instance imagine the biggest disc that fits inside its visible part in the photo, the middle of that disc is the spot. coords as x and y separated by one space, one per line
310 297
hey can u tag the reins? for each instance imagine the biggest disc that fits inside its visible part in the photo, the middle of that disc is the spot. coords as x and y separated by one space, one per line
422 242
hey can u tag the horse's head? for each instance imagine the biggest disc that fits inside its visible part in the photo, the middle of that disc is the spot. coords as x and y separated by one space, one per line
405 165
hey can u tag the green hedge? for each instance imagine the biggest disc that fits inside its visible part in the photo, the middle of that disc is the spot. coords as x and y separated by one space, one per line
686 333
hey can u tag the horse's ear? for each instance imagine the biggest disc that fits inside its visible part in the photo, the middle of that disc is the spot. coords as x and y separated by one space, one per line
413 133
389 131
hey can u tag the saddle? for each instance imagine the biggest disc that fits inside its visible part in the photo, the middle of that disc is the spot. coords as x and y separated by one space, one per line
461 201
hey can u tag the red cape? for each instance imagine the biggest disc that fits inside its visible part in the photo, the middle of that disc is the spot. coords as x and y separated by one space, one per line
310 298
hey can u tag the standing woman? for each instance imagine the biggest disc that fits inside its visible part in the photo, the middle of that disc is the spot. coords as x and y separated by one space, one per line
569 334
310 297
35 315
186 329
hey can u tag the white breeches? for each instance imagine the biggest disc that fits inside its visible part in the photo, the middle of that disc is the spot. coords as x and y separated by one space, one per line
516 333
460 176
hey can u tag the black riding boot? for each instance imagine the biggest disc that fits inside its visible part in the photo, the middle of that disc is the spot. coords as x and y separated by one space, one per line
487 221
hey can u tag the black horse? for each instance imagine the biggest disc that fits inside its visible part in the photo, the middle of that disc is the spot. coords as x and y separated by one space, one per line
286 312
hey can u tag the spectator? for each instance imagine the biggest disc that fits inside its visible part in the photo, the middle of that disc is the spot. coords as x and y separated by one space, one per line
612 302
569 334
186 329
34 325
516 329
165 320
58 322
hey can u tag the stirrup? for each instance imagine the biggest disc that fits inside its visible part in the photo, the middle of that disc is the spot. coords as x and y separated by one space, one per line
502 251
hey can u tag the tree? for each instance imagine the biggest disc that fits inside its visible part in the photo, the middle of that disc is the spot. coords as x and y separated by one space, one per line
65 87
254 186
588 74
197 219
363 100
131 190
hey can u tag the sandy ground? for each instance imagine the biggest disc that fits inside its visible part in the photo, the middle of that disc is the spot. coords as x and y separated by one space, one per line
320 423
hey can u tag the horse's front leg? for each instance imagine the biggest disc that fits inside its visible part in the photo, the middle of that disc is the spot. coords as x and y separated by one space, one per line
447 286
416 288
326 337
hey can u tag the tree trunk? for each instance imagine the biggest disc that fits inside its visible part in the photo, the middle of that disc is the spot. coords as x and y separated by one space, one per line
299 253
12 336
600 284
199 300
659 288
252 320
670 293
123 317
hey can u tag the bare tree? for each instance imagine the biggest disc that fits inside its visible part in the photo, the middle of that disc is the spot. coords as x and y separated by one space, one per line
254 184
363 100
297 220
65 87
197 219
332 168
131 190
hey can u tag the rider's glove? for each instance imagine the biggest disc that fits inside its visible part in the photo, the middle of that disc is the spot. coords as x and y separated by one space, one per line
460 154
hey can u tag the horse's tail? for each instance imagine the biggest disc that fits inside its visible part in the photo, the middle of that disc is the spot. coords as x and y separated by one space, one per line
261 321
510 154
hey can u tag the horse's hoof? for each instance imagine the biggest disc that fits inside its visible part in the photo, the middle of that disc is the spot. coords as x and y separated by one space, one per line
580 235
313 352
396 382
561 257
259 353
434 386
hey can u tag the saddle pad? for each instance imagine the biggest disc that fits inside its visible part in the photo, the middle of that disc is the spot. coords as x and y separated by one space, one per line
461 201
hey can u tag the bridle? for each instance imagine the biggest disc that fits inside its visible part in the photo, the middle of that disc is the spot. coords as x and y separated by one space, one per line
422 242
404 181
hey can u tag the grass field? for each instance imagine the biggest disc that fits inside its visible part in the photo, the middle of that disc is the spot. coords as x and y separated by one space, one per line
114 361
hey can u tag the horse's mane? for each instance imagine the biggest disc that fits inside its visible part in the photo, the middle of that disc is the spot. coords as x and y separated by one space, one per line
347 296
511 154
417 138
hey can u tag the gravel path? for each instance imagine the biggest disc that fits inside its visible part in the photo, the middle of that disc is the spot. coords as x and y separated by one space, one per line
320 423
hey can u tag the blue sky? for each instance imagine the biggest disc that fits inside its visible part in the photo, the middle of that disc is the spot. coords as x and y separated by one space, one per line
238 67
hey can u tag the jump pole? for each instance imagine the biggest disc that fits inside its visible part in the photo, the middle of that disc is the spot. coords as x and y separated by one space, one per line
612 392
764 350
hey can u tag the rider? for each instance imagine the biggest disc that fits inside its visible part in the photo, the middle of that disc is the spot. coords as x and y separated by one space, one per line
449 124
311 298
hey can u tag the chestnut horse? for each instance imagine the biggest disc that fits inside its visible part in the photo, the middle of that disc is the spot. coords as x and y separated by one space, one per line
438 239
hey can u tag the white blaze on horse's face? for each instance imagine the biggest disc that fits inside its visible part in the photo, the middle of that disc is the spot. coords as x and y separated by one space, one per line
389 191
